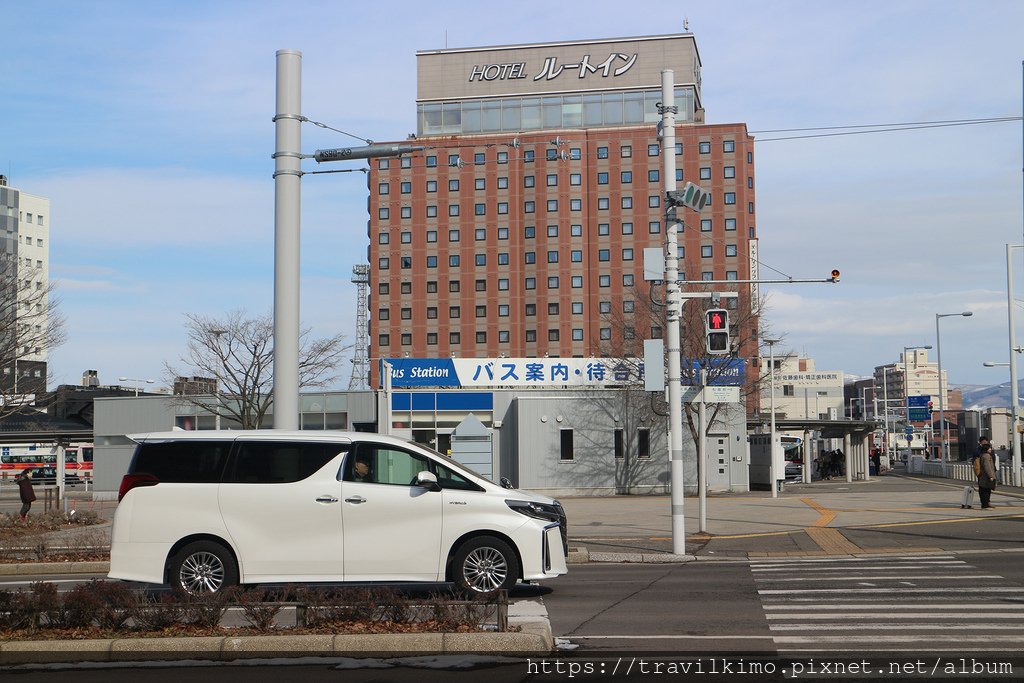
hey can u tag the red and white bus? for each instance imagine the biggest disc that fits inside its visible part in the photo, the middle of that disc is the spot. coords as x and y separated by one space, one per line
17 457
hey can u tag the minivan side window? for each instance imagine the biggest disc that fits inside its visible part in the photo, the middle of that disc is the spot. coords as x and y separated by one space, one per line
448 478
278 462
387 465
186 462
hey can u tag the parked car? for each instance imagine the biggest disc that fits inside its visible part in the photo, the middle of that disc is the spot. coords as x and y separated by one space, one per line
206 510
794 471
47 476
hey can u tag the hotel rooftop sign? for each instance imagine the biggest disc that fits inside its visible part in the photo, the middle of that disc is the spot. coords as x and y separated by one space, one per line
578 66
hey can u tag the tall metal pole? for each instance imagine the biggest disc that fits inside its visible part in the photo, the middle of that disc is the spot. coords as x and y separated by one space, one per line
673 313
1014 399
702 454
942 397
771 407
885 414
287 217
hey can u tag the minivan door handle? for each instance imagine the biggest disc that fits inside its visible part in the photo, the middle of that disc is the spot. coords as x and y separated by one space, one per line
355 499
327 499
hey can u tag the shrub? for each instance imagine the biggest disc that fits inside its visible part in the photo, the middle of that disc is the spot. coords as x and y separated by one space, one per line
157 611
78 608
116 604
15 610
206 609
260 608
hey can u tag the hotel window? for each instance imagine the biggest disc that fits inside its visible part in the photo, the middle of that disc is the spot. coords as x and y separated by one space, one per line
528 156
406 288
604 280
529 207
531 335
530 310
383 213
552 308
384 288
552 205
431 312
406 212
383 164
531 283
679 174
480 234
750 182
383 188
553 336
407 262
431 286
731 275
431 236
480 209
454 338
653 176
502 233
431 186
383 263
602 152
619 447
705 173
503 258
628 305
627 254
502 157
481 285
453 185
705 225
626 151
480 184
454 312
679 149
502 310
603 255
728 146
575 204
552 231
454 285
453 261
750 157
503 182
503 336
406 187
431 211
481 311
432 338
384 314
384 340
653 201
602 229
453 210
481 337
575 153
552 180
629 332
503 284
528 232
553 282
627 280
707 275
575 179
652 150
654 227
478 158
453 235
576 282
577 308
626 177
406 162
602 203
406 314
431 262
528 181
704 148
551 154
480 259
656 332
383 238
606 333
431 161
576 256
750 207
602 178
454 160
502 208
553 256
577 334
730 197
730 250
576 230
730 171
530 256
730 223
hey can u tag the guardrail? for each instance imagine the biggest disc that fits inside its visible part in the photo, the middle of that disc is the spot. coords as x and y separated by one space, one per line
958 471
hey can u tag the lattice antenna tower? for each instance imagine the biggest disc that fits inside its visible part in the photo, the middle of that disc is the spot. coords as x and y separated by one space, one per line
360 359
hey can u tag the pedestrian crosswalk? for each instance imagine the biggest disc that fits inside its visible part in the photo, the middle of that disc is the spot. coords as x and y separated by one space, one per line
889 603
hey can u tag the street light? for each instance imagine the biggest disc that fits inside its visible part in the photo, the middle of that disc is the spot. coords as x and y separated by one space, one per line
943 446
906 389
771 406
1014 435
135 379
217 332
1014 408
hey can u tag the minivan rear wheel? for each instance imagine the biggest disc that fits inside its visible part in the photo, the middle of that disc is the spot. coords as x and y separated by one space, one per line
203 567
484 565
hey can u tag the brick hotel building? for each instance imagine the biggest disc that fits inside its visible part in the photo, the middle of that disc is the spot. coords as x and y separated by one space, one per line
519 231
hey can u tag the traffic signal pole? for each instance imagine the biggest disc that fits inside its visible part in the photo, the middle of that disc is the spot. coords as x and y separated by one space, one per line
673 313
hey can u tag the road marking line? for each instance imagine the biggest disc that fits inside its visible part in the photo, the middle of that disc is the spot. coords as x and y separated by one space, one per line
911 606
892 567
874 627
944 590
885 616
892 638
667 637
838 577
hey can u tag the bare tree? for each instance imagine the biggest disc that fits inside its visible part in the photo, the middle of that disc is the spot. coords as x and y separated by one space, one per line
233 357
30 324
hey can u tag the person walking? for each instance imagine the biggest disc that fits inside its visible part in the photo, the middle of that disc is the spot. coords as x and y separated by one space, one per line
28 494
986 476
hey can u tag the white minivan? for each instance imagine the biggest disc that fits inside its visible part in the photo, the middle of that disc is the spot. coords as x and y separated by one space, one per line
202 510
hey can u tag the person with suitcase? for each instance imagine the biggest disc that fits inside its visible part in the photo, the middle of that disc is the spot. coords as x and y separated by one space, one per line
985 470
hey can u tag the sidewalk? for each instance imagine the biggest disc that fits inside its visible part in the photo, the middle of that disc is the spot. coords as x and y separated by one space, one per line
888 514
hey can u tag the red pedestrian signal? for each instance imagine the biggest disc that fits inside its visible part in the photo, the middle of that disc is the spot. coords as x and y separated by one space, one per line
716 331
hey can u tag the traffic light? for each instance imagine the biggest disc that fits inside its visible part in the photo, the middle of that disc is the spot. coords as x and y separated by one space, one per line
716 330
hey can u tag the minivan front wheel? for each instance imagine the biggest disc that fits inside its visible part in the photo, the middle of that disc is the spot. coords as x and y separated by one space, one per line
203 567
484 565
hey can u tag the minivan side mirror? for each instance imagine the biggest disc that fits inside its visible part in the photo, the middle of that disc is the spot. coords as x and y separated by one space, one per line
428 481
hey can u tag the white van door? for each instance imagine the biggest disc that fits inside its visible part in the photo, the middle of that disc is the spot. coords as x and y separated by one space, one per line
281 505
392 528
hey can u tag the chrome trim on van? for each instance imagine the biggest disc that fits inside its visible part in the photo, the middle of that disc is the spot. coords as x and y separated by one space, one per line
545 560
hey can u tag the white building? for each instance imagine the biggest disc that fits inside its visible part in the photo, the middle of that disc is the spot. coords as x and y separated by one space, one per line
25 278
801 390
892 391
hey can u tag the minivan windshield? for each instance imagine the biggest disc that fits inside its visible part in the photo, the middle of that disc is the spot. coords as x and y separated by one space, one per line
450 462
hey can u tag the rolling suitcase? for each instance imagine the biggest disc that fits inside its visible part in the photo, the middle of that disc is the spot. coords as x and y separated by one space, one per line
967 499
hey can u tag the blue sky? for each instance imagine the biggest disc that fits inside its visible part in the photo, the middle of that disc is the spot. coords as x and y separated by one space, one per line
148 125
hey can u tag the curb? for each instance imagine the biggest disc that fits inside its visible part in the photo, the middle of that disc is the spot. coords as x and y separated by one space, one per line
534 639
22 568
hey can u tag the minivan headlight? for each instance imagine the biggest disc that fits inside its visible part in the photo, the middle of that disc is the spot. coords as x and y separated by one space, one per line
544 511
